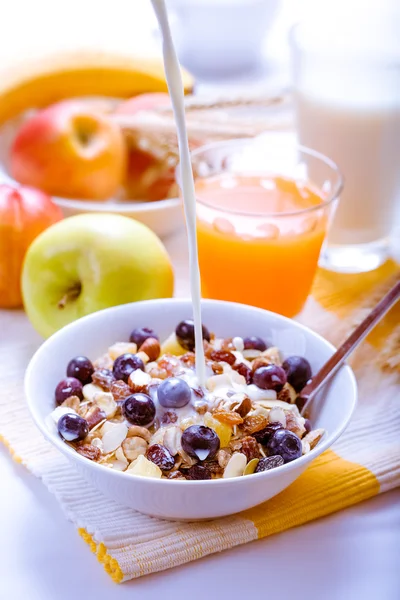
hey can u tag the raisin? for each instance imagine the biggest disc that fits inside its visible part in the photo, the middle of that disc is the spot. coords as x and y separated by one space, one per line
245 371
223 356
161 457
214 467
120 390
198 392
250 447
270 462
263 436
89 451
169 363
104 378
254 423
169 417
198 472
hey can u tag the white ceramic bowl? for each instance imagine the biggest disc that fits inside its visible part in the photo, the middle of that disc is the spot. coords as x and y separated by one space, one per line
186 500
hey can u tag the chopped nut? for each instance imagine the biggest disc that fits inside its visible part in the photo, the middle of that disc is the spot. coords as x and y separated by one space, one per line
104 362
305 446
90 390
176 475
144 467
273 355
94 416
218 380
151 347
169 417
170 363
106 402
287 394
137 431
295 424
241 404
235 466
97 443
251 354
227 345
121 348
156 372
277 415
138 381
114 436
72 402
120 390
261 361
254 423
314 437
201 407
250 447
189 359
229 418
103 378
134 447
223 457
89 451
143 356
238 344
172 439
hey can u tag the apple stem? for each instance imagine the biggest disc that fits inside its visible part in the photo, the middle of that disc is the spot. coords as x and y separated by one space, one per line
70 295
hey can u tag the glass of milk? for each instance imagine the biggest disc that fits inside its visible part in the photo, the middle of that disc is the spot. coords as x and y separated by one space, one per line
346 73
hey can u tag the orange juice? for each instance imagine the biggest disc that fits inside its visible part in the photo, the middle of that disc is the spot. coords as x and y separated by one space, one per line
259 239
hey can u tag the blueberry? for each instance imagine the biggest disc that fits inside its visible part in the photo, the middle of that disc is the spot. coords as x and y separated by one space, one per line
68 387
285 443
200 442
185 334
141 334
125 364
298 371
254 343
270 377
174 393
264 435
81 368
72 427
139 409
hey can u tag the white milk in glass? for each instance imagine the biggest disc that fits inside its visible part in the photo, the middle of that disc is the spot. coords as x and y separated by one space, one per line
347 84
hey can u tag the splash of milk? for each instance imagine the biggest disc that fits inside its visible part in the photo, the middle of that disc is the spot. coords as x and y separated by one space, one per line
175 87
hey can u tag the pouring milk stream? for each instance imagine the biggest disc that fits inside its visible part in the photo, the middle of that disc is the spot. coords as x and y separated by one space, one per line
175 87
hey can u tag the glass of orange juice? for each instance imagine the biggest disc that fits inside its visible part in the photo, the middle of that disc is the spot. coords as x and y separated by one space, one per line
262 220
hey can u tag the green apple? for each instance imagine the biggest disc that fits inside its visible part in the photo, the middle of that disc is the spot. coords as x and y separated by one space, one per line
90 262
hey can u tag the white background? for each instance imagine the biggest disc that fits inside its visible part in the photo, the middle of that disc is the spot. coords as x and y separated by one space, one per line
352 555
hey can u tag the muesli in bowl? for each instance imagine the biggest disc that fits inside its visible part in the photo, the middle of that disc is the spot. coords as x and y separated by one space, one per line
139 408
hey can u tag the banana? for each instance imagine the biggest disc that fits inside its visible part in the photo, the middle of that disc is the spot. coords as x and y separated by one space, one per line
69 75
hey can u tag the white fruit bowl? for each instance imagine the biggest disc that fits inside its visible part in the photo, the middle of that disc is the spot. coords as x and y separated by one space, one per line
164 217
187 500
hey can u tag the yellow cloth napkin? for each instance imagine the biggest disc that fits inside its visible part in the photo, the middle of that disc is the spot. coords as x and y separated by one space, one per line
364 462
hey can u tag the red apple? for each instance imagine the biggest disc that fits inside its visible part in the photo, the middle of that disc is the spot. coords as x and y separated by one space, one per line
24 213
148 176
70 149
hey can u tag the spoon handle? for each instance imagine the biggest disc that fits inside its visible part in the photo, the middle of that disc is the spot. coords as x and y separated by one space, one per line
337 359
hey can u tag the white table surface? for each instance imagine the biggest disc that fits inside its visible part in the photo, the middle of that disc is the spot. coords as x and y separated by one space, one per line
348 556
